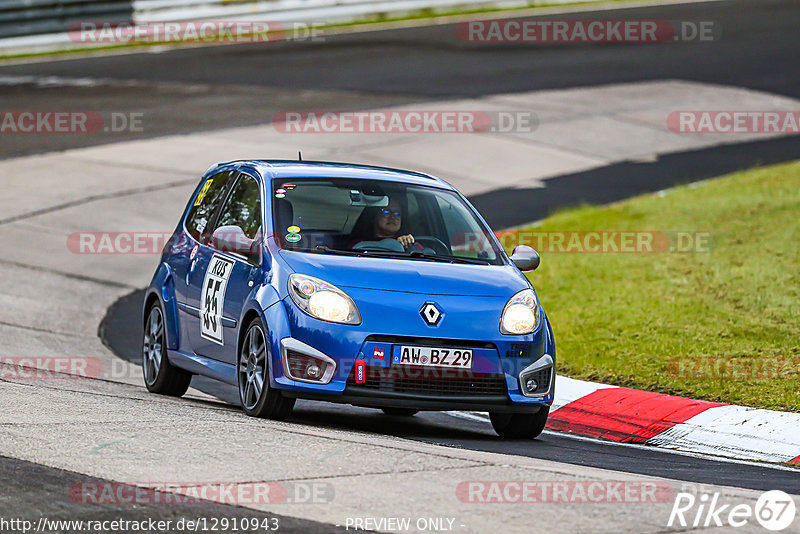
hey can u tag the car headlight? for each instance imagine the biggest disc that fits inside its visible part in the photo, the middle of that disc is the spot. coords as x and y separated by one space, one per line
521 314
322 300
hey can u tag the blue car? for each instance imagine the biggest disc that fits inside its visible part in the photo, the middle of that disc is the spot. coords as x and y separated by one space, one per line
346 283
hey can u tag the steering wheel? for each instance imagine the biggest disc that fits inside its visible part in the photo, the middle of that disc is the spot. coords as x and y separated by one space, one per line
435 243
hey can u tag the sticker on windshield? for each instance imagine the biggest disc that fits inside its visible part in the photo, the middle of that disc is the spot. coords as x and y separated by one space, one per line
293 229
281 191
279 195
289 186
293 238
212 298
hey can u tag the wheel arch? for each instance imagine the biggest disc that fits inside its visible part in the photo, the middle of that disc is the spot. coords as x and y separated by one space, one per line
247 318
149 299
162 290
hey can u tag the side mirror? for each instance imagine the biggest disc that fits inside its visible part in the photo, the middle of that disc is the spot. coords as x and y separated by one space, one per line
525 258
233 239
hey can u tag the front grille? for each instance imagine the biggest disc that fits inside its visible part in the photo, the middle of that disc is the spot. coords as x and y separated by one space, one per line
431 381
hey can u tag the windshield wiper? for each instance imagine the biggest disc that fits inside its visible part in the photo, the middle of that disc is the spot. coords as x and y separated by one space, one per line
390 254
356 252
449 259
328 250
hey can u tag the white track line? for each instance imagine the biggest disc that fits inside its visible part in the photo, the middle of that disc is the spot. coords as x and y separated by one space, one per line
485 419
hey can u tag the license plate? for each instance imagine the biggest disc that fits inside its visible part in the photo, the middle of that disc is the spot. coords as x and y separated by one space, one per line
433 357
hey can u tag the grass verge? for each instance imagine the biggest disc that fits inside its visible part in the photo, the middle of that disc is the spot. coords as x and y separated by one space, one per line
721 323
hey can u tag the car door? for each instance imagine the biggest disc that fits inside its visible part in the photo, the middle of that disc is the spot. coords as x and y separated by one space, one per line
185 260
223 279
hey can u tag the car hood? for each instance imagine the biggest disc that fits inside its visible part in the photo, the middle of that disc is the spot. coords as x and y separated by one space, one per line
411 276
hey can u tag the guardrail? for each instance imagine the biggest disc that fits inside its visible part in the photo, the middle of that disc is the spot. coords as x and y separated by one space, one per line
30 26
322 11
30 17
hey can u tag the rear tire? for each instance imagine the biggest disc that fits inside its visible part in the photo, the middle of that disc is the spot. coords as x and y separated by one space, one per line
519 425
160 376
257 398
399 412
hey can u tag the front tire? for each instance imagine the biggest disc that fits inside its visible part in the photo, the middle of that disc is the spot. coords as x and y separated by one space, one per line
159 375
257 398
519 425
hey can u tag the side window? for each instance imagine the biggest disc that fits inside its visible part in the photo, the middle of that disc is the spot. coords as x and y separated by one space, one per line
464 234
243 207
460 233
416 223
205 203
454 221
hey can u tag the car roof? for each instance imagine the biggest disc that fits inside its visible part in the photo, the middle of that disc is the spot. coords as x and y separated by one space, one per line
271 169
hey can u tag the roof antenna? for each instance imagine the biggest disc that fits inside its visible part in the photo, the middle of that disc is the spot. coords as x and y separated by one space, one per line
299 156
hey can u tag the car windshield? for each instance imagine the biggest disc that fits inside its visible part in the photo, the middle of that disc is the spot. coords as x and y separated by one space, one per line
379 219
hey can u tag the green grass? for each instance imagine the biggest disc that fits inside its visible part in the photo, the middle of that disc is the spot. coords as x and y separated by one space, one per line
652 321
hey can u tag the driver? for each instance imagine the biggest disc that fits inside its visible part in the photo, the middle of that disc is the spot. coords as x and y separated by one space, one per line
387 225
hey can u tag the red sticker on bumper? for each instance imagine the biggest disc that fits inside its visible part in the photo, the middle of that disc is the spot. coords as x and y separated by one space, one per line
360 377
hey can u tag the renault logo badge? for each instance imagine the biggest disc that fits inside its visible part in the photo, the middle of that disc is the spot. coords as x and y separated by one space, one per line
430 314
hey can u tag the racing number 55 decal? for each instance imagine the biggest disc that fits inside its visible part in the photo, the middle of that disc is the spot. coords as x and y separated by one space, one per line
212 298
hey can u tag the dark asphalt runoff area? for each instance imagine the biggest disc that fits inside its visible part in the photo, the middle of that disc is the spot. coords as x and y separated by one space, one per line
757 49
32 492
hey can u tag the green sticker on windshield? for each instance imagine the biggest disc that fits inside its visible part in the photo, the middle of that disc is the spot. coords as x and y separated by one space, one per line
293 238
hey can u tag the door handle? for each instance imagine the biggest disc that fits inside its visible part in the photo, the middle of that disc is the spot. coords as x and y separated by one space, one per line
190 271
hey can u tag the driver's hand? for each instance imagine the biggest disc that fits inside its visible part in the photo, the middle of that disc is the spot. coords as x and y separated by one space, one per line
406 240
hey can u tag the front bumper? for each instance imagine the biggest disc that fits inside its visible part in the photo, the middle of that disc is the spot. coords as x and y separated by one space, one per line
499 359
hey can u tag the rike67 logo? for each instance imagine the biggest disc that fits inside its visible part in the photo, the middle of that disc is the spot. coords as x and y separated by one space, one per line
774 510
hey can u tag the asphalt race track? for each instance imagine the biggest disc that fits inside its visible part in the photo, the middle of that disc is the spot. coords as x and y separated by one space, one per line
207 89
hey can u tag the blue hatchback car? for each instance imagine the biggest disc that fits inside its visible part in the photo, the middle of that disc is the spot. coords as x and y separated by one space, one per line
346 283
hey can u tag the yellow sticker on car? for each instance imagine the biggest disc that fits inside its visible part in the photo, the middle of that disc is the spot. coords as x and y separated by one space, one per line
203 192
